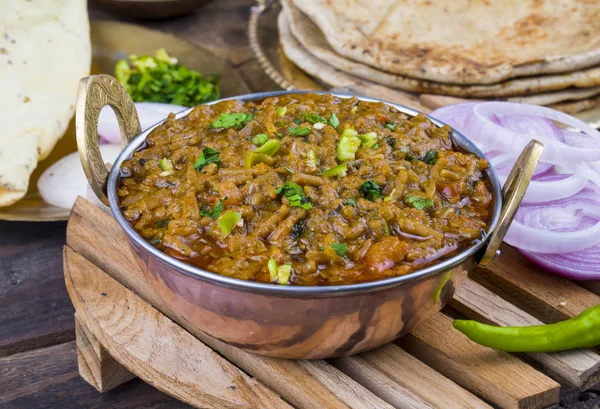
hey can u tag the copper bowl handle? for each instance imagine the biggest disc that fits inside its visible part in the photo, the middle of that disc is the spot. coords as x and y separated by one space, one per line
512 193
93 94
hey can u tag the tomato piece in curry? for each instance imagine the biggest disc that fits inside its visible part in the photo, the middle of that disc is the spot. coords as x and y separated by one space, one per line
305 189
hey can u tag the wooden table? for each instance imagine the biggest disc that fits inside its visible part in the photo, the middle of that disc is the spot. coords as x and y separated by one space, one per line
38 362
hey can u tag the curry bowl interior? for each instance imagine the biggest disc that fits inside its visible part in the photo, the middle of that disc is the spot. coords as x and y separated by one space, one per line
477 247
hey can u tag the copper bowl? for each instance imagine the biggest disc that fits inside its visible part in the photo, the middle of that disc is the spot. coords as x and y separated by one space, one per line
289 321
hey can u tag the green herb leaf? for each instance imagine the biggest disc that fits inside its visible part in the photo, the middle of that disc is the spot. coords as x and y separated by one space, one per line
214 213
228 221
260 139
163 79
408 155
270 147
208 155
333 120
391 141
295 195
430 157
313 118
229 120
370 190
419 203
298 131
340 249
390 125
350 202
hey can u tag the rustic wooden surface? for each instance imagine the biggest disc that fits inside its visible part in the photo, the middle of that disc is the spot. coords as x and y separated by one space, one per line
38 359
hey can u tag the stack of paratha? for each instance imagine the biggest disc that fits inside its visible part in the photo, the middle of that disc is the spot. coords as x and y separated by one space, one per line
44 52
543 52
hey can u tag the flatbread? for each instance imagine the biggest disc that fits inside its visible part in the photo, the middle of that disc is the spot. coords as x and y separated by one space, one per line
462 41
333 77
312 39
44 51
572 107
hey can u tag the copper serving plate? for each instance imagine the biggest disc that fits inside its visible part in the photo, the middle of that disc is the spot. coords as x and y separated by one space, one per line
289 321
112 41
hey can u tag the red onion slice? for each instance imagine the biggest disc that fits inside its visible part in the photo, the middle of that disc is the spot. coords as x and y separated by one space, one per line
561 226
580 265
148 112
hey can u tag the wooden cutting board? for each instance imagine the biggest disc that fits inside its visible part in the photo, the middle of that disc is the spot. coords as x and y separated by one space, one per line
124 330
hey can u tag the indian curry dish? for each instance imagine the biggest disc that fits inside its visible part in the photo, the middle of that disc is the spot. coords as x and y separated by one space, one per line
305 189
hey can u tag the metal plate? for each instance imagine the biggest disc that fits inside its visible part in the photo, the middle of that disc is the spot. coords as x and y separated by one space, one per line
112 41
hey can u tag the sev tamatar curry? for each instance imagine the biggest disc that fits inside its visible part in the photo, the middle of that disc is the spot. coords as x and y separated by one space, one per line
305 189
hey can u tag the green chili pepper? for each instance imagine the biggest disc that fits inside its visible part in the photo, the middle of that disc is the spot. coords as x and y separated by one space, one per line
582 331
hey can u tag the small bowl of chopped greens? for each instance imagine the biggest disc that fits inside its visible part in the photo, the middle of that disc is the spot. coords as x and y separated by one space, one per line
162 78
149 9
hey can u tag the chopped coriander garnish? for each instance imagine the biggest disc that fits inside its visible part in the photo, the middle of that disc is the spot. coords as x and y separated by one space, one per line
157 240
350 202
419 203
228 221
368 140
390 125
313 118
348 145
214 213
260 139
340 249
229 120
163 79
298 131
290 170
336 170
333 120
430 157
281 111
281 274
370 190
408 155
165 164
297 121
270 147
391 141
208 155
295 195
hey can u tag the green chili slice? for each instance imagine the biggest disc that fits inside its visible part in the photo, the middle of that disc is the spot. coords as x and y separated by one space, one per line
270 147
228 221
348 145
339 170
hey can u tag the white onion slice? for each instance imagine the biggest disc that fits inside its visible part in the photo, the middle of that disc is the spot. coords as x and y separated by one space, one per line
149 113
62 182
579 265
552 187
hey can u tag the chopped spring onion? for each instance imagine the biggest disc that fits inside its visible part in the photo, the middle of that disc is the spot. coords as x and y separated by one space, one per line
208 155
270 147
290 170
228 221
333 120
257 157
298 131
281 274
336 170
368 140
260 139
419 203
390 125
281 111
165 164
348 145
409 156
312 159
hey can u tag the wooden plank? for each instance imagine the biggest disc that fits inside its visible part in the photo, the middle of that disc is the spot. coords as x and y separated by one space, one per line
494 375
153 347
549 298
95 364
403 380
35 311
579 368
306 392
48 378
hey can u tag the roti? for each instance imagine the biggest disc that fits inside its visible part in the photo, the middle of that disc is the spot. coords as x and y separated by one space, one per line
462 41
312 39
333 77
44 51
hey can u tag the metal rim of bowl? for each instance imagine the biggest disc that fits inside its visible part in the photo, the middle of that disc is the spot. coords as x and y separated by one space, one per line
291 290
